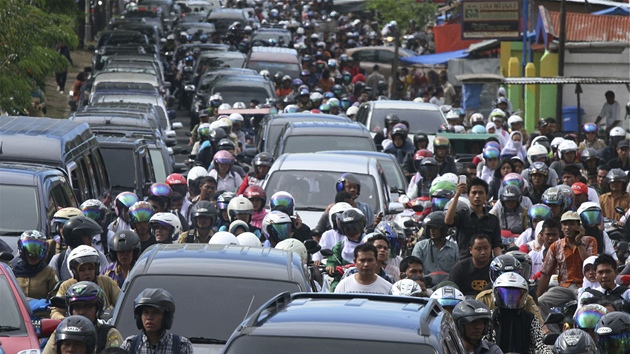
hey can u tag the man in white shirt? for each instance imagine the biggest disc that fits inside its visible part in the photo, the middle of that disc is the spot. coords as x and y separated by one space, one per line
606 272
366 279
611 112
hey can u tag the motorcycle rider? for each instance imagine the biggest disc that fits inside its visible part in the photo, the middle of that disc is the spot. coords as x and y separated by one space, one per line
97 211
122 203
472 320
240 208
262 164
420 142
75 334
617 180
330 237
609 153
606 272
592 220
36 278
575 340
448 297
366 279
57 244
204 216
436 252
124 251
258 197
399 145
511 215
140 214
351 184
276 227
446 163
567 152
166 227
537 213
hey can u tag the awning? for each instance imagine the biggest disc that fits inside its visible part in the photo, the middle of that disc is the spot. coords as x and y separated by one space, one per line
435 59
614 11
489 78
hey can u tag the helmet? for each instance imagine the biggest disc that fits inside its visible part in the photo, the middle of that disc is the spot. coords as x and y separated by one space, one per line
436 220
94 209
567 146
419 156
282 201
440 141
80 255
276 226
476 119
542 140
77 227
510 291
196 172
222 157
61 216
555 143
294 245
502 264
204 208
400 129
553 196
406 287
77 328
613 332
124 240
223 238
589 154
86 291
391 119
575 341
248 239
538 212
448 296
441 193
216 135
617 131
348 178
536 152
224 199
538 168
395 236
452 115
334 213
587 316
225 106
478 129
511 192
239 205
226 144
123 201
334 103
263 159
316 96
175 179
237 117
428 168
468 311
526 262
32 244
420 137
491 153
234 225
614 175
255 191
159 299
513 179
590 214
167 219
351 221
497 114
140 212
514 119
589 128
160 190
291 108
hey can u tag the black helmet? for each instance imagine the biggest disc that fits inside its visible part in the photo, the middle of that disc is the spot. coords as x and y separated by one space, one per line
420 137
289 99
76 328
226 144
428 168
156 298
217 134
77 227
351 221
204 208
589 153
539 167
468 311
348 178
511 192
86 291
224 200
263 159
614 175
504 263
278 76
613 331
574 341
391 119
124 240
436 220
400 129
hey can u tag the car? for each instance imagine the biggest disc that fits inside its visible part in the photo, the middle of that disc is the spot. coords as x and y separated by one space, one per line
216 59
281 36
132 77
215 287
383 56
274 59
322 136
18 332
41 191
421 116
150 106
346 323
243 88
113 38
270 126
224 18
311 180
200 98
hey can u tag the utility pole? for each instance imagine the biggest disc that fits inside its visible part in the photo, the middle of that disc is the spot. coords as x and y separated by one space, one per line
87 35
561 41
394 74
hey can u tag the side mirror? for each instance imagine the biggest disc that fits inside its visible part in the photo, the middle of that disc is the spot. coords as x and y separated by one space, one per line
6 257
179 167
554 318
394 208
550 339
326 252
58 301
177 125
178 150
312 246
620 210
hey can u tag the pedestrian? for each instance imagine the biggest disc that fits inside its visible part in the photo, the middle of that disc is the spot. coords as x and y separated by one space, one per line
60 77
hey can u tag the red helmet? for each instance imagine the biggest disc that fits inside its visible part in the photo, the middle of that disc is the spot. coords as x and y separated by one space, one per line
175 179
255 191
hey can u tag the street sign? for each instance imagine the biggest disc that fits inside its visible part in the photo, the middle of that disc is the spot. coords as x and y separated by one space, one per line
491 19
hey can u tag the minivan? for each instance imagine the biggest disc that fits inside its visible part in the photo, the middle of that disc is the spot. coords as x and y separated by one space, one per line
61 143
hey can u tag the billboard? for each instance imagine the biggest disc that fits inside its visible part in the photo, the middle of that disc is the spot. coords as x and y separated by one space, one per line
491 19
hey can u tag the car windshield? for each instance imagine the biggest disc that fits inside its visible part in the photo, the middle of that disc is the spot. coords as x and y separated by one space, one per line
315 189
17 217
315 143
292 70
11 322
207 306
220 61
424 120
120 165
159 168
394 179
232 94
222 24
311 345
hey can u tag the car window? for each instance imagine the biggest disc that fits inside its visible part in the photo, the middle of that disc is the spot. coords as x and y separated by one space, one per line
121 167
419 120
102 178
273 344
229 300
385 57
77 176
315 143
391 171
362 114
18 216
292 70
159 168
232 94
147 167
59 196
10 315
365 55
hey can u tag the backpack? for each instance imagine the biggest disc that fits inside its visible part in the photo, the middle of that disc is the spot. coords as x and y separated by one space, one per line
137 341
615 297
101 336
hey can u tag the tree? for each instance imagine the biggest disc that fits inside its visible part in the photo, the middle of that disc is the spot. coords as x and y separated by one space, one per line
28 38
402 11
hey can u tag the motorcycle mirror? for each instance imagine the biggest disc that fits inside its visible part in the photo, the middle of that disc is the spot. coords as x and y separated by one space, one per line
409 223
550 339
326 252
312 246
620 210
554 318
6 257
58 301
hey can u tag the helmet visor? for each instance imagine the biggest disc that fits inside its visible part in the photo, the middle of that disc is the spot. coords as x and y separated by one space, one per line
512 182
510 298
141 214
279 232
282 200
352 228
94 214
449 302
586 319
591 217
33 248
614 344
161 190
439 203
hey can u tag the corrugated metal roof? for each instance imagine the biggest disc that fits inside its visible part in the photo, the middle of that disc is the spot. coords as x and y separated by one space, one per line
593 28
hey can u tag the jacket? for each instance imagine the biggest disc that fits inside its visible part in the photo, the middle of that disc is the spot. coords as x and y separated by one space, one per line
109 286
38 286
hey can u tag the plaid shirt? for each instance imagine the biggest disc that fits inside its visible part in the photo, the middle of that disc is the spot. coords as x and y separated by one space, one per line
568 261
164 346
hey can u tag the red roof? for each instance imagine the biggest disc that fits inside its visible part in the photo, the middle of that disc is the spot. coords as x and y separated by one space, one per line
593 28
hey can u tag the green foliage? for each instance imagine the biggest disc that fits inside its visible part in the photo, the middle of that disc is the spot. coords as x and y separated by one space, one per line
28 38
402 11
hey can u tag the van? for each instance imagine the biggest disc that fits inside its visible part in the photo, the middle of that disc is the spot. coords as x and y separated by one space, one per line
61 143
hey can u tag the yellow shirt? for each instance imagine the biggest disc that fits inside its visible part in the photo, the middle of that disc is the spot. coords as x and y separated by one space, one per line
608 204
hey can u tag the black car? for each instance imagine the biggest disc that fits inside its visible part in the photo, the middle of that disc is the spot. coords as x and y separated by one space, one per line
308 323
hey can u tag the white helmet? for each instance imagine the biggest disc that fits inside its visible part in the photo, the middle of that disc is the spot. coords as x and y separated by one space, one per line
451 177
216 97
83 254
223 238
587 205
265 73
556 142
167 219
352 110
277 226
291 108
406 287
224 106
452 115
536 150
195 173
514 119
514 281
459 129
617 131
237 117
219 123
300 30
294 245
336 209
477 118
248 239
227 121
497 113
316 96
236 224
462 204
448 296
567 146
239 205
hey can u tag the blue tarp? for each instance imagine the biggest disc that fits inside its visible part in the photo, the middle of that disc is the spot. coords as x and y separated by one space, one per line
435 59
615 11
